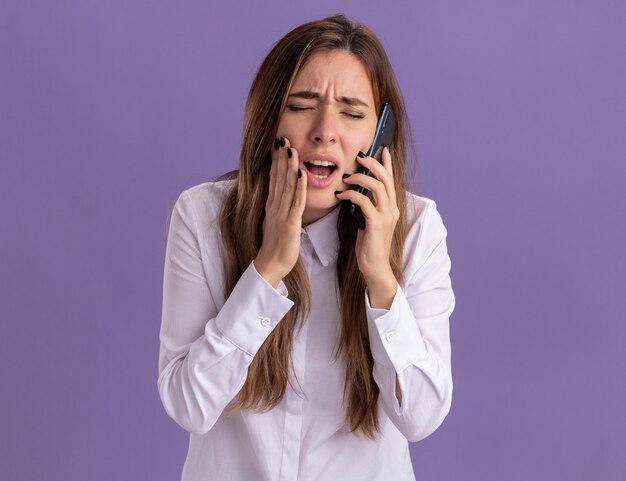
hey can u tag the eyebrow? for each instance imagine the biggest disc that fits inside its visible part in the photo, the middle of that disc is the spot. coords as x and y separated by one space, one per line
308 94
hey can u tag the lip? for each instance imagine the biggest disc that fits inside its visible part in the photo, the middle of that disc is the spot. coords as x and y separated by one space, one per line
314 181
321 156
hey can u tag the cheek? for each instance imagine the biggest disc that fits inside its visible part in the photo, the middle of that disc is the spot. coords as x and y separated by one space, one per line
290 129
363 141
352 166
281 126
365 137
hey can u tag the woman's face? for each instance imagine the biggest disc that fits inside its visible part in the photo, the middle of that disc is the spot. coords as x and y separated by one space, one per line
330 115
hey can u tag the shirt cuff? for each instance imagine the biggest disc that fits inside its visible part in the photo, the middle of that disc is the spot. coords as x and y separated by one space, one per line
252 310
395 338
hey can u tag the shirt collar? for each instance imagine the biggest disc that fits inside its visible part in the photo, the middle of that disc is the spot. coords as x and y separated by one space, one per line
323 236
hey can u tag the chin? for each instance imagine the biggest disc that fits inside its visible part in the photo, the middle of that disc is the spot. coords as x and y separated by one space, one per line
322 200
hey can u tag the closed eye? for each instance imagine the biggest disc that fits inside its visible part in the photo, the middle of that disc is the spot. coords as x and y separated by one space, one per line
295 108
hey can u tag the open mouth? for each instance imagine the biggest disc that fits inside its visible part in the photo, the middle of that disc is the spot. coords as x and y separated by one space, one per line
320 169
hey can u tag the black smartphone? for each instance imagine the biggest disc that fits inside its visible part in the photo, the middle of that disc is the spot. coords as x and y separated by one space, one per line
385 130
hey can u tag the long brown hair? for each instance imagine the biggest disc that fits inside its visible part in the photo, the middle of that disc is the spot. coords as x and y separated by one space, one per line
243 212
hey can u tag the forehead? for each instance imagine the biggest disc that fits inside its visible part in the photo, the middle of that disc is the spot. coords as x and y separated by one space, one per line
342 71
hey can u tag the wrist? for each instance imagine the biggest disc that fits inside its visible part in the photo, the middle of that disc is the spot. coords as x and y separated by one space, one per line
266 274
382 291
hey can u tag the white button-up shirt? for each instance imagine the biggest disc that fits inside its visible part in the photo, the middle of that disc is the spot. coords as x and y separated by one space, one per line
207 343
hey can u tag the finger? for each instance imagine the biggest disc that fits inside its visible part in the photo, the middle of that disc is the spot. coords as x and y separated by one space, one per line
281 172
381 173
299 200
291 180
272 180
386 158
375 167
388 164
369 211
376 187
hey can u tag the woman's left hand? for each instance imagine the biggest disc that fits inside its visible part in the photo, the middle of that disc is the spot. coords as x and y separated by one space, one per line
373 245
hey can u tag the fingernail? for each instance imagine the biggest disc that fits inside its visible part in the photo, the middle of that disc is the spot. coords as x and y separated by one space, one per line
276 144
299 173
361 154
289 152
345 175
282 141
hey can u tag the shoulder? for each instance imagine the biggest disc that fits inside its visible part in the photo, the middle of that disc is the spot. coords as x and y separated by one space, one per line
204 201
421 212
195 220
426 230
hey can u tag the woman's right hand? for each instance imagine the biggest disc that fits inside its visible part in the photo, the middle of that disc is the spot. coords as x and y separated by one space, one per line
283 215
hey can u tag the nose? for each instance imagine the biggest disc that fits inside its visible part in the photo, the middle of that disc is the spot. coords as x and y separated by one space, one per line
324 129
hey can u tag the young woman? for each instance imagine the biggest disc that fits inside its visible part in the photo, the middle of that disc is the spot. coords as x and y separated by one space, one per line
295 346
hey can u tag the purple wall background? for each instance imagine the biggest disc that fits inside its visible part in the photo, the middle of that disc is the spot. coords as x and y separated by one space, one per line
109 111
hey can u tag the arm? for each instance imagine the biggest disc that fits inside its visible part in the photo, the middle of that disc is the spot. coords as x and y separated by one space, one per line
205 349
410 340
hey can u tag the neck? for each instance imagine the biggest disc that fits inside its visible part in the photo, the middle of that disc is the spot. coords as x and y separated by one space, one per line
311 215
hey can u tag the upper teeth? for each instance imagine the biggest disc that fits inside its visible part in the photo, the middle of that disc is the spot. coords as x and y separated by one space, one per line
325 163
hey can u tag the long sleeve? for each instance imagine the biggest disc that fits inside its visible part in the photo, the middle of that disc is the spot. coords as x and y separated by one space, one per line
205 348
410 341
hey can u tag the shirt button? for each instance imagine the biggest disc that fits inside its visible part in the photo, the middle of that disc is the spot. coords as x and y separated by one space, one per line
389 336
265 321
305 236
